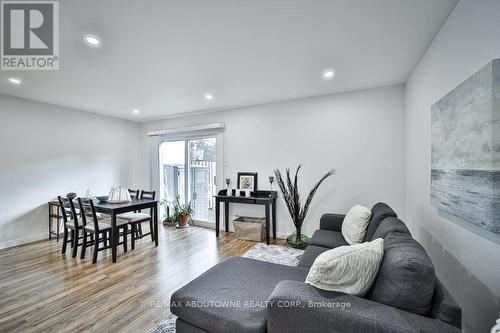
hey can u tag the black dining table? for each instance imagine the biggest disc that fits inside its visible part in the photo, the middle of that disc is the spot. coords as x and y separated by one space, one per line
113 209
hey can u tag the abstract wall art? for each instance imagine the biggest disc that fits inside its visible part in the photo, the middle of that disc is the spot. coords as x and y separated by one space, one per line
465 162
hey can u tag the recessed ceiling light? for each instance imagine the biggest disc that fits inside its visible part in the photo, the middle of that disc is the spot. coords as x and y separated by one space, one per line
136 111
328 74
209 97
92 40
15 80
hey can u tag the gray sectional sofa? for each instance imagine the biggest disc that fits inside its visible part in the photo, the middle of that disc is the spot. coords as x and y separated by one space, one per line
247 295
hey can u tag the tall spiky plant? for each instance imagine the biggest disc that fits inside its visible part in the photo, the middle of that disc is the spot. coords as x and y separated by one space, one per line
290 191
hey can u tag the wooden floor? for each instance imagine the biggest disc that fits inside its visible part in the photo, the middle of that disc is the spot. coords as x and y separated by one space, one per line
44 291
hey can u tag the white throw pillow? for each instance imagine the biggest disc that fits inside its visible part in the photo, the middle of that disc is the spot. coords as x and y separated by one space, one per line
355 224
348 269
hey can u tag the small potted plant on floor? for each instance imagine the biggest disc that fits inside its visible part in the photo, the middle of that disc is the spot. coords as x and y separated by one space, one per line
183 212
291 195
166 208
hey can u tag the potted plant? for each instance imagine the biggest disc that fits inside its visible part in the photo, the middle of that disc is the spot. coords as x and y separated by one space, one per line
183 212
291 195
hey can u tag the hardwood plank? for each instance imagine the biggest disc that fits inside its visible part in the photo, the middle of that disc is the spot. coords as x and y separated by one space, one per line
44 291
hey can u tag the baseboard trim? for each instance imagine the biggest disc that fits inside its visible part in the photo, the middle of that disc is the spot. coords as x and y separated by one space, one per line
210 225
31 239
22 241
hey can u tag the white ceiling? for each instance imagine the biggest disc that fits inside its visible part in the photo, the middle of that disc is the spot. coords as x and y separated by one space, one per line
162 56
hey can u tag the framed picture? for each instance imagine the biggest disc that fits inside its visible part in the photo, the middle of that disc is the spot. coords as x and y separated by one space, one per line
247 180
465 177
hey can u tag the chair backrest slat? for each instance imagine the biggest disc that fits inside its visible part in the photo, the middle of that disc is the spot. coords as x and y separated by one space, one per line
133 193
64 204
74 215
88 213
148 195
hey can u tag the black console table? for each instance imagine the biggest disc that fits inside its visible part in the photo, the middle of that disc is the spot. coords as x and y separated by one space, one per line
54 214
266 198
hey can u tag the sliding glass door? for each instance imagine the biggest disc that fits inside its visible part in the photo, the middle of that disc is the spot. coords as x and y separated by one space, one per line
201 177
172 171
188 171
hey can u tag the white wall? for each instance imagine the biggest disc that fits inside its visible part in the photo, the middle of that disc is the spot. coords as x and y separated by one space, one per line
45 151
360 134
466 257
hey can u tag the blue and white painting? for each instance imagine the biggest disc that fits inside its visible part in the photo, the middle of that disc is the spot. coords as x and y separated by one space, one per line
465 175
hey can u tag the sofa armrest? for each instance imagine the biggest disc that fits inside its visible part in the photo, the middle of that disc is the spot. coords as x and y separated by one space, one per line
295 306
444 306
331 222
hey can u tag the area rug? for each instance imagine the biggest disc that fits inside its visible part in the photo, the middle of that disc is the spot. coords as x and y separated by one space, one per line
166 325
277 254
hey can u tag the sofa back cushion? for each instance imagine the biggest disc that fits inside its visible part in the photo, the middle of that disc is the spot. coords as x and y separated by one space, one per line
406 277
388 225
379 212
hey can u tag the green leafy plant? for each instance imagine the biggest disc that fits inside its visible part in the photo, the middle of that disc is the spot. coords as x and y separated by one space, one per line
184 209
290 191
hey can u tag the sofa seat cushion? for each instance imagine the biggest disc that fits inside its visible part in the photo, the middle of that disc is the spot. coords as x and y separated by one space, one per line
406 276
335 312
327 238
183 327
380 211
218 300
310 254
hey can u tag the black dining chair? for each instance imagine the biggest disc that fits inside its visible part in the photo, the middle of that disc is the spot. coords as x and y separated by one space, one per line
137 218
75 226
134 194
96 231
71 228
